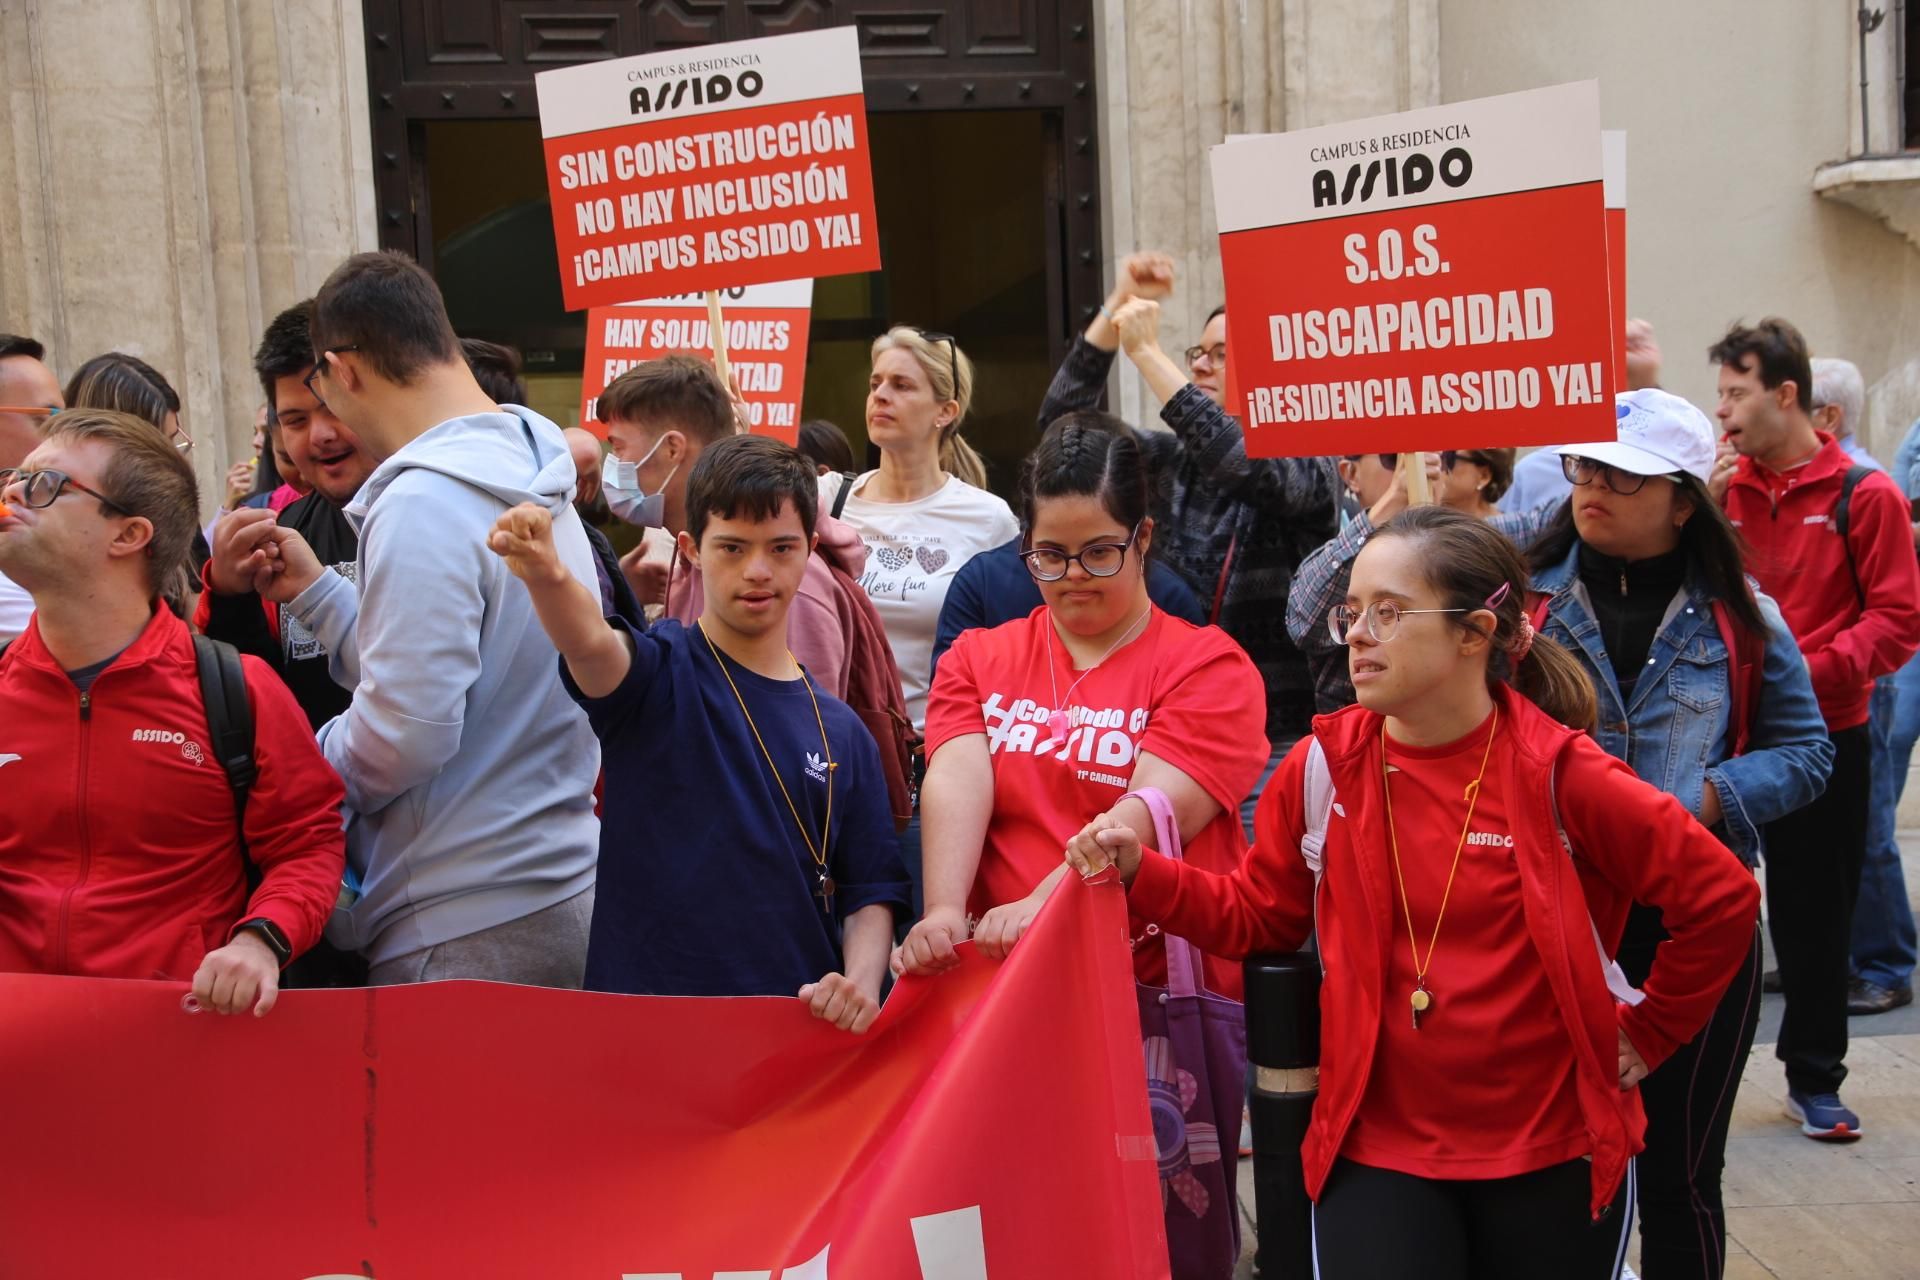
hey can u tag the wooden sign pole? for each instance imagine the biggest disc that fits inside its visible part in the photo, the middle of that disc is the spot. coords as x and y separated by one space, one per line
1419 492
719 333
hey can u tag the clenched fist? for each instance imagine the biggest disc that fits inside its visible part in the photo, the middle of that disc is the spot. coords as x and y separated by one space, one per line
523 537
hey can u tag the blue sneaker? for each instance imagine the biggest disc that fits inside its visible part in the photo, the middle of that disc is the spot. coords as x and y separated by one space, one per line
1822 1116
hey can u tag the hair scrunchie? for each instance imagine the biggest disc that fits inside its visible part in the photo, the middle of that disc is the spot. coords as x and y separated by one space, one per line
1523 641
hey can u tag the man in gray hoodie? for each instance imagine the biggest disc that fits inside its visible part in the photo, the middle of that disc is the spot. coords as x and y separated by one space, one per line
469 770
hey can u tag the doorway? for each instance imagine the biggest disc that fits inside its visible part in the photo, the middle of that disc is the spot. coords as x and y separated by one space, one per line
985 174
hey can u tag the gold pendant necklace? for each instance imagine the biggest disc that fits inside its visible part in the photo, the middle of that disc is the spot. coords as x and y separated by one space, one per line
1421 997
824 886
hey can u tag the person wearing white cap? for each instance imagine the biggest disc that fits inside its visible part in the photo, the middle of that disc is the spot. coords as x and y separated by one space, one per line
1703 692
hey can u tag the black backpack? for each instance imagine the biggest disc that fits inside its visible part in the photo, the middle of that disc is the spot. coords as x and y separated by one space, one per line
223 688
1843 519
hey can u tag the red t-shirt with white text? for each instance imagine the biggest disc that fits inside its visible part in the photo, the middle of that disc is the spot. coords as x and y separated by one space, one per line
1485 1087
1187 694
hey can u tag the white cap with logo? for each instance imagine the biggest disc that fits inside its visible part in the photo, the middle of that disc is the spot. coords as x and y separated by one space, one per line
1659 434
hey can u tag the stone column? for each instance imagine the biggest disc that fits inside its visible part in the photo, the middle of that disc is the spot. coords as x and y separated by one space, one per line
174 173
1177 76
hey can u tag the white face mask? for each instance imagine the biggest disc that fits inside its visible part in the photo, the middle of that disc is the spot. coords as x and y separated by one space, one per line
620 482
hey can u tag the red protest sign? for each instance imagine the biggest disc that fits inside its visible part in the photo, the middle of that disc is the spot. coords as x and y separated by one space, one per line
992 1125
1613 167
1425 280
706 168
766 332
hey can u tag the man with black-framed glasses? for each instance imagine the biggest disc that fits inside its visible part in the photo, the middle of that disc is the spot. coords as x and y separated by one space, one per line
29 395
129 861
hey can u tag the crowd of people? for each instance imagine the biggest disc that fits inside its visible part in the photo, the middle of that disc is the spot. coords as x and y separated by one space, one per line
402 712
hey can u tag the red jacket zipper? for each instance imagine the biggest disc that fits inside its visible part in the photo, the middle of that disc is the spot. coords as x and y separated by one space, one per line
86 844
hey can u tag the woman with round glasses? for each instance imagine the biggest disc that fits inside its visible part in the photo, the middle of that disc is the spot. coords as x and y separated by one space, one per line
1704 693
1464 854
1036 726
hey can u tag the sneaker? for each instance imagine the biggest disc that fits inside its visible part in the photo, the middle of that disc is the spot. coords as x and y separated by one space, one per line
1865 998
1822 1116
1770 982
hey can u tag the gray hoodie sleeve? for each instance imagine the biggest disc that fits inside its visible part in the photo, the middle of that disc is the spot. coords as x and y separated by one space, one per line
329 609
419 624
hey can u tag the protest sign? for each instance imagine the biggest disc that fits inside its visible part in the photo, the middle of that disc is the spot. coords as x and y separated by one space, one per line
707 168
992 1125
1431 279
765 333
1613 166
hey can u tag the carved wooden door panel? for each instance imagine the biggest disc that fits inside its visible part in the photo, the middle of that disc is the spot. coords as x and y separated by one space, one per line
444 60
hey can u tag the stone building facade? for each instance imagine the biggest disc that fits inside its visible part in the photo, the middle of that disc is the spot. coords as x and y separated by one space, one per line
174 171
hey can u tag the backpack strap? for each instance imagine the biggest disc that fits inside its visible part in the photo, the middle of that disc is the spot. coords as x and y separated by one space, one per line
223 688
1538 604
1318 788
840 499
1746 672
1843 522
1623 990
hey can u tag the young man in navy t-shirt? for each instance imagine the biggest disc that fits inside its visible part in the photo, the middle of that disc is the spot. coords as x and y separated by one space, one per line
745 847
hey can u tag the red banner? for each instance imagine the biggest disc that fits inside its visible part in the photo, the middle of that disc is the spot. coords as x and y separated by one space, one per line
992 1125
697 169
1434 279
766 329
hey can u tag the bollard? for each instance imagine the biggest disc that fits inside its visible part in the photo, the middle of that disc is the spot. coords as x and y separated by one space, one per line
1283 1048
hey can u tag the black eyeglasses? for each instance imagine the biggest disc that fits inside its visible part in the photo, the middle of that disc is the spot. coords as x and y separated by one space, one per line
953 355
42 488
1387 460
1216 354
1583 471
319 367
1099 559
1448 457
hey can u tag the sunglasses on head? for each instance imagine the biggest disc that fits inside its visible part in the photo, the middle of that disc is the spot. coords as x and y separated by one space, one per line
953 354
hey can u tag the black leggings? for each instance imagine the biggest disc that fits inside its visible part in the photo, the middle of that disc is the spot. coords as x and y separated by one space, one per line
1375 1224
1689 1102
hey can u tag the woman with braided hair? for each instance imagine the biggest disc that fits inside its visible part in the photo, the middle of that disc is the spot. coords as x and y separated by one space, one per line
1466 855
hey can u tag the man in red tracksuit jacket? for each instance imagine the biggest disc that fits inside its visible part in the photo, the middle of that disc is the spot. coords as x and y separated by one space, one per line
1853 603
120 851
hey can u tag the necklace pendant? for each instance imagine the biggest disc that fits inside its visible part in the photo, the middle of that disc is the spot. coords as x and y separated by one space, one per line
1421 1000
825 889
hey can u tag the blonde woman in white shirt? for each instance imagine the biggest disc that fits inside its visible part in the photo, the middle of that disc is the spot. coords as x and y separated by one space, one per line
924 512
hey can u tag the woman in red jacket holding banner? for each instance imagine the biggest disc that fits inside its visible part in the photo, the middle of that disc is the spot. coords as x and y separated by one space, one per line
1477 1113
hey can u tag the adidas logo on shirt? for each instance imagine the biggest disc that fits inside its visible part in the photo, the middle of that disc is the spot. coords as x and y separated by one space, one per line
816 767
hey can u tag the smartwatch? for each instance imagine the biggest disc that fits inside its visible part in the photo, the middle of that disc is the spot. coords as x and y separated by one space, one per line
269 933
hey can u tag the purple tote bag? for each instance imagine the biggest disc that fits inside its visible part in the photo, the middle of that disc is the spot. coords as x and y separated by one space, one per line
1195 1046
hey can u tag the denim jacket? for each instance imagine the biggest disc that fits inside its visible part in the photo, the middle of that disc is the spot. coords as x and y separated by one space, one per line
1675 731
